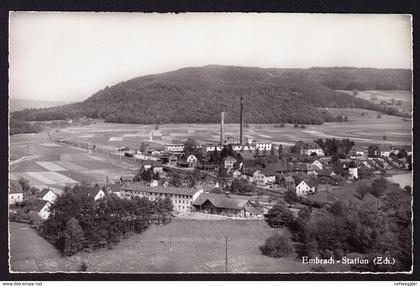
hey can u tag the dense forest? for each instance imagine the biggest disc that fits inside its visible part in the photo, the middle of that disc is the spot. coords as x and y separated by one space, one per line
198 95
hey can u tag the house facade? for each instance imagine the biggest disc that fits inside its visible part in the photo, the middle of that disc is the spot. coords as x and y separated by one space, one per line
175 148
47 195
15 193
304 188
228 162
263 146
263 177
41 208
192 161
311 148
181 197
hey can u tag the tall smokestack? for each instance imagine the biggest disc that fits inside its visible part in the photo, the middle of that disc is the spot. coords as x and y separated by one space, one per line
241 135
222 128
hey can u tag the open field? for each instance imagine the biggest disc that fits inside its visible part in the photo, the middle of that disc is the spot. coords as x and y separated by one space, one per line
388 97
181 246
57 165
363 129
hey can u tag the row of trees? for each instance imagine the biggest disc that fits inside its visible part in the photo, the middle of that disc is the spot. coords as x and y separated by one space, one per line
349 229
77 222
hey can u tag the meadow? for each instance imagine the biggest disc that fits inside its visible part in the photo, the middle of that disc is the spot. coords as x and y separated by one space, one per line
182 246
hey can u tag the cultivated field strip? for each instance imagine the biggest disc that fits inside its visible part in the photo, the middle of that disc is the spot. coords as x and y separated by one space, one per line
70 166
51 166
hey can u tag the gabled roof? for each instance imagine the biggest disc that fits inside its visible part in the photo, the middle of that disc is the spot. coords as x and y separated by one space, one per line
311 145
38 205
253 210
288 179
15 188
325 172
246 156
42 193
300 166
308 182
221 201
159 189
91 191
268 172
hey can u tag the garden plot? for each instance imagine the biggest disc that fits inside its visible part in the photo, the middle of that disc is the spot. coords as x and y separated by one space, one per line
51 178
51 166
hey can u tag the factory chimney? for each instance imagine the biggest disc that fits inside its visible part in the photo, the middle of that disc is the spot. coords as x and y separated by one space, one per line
222 128
241 139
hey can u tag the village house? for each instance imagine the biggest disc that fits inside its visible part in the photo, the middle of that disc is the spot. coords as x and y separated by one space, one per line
15 193
95 192
226 205
181 197
211 148
236 174
157 167
263 177
305 188
41 208
317 165
311 148
358 152
383 151
154 183
192 161
353 174
47 195
288 183
326 173
228 162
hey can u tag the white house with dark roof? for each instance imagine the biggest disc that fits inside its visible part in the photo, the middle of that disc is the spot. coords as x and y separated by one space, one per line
383 151
95 192
226 205
310 148
15 192
228 162
41 208
305 188
47 195
263 177
181 197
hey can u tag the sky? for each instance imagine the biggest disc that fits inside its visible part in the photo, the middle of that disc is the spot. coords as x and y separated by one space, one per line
59 56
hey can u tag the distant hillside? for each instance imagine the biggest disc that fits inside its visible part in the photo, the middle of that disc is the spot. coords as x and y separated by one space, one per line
16 104
198 95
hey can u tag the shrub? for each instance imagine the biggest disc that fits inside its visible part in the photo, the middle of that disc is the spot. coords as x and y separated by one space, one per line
276 246
83 267
279 216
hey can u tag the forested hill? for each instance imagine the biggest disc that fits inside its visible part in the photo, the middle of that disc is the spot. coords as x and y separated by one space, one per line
199 94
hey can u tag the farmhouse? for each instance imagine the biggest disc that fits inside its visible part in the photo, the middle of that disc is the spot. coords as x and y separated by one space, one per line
288 183
47 195
15 193
311 148
281 167
95 192
263 177
41 208
181 197
226 205
326 173
305 188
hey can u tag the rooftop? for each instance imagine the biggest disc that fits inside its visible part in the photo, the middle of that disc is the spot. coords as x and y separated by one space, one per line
15 187
38 205
160 189
221 201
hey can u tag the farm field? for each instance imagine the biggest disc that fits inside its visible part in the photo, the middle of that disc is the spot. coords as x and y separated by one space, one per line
181 246
45 163
364 129
389 97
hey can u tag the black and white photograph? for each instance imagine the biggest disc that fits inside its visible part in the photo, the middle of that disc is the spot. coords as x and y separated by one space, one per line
210 143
